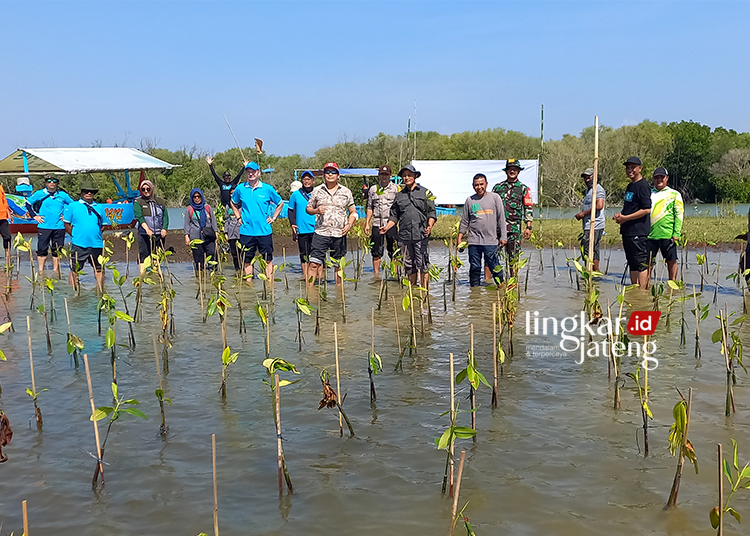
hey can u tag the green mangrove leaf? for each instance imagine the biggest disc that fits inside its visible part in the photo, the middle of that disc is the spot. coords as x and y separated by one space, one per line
135 412
444 440
2 356
114 390
727 470
405 302
734 513
123 316
714 517
101 413
284 383
464 432
110 340
5 327
461 376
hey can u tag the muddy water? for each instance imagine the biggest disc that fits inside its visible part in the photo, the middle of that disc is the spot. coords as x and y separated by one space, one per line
553 458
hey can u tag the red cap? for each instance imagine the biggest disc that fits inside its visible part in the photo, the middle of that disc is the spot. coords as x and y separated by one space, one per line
331 165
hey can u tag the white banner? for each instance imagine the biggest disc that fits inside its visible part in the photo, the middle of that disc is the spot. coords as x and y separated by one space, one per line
451 180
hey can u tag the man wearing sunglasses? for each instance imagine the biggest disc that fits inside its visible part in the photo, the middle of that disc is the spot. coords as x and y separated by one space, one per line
84 221
47 206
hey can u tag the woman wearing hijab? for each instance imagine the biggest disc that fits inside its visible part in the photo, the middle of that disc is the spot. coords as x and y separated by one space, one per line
200 224
151 214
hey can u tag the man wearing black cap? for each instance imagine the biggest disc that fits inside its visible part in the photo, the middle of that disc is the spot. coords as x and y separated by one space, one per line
379 201
518 205
666 221
585 215
634 222
414 211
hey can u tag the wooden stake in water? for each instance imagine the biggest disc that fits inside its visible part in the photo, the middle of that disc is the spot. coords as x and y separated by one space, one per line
458 489
37 410
338 378
494 353
473 392
216 496
399 364
163 427
25 519
283 472
370 371
721 492
453 421
99 452
592 219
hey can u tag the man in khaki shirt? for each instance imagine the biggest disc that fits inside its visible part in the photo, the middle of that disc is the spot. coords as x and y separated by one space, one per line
333 204
380 197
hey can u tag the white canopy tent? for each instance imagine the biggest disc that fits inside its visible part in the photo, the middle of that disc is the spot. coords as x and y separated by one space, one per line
79 160
450 180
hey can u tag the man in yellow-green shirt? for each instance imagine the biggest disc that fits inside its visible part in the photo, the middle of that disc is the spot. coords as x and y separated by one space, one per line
667 211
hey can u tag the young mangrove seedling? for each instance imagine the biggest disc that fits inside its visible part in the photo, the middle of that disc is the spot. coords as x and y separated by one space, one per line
74 343
121 405
227 358
700 313
163 429
49 284
219 303
731 349
340 270
374 363
42 310
302 308
738 479
475 377
33 392
645 409
449 436
119 280
680 444
330 399
262 313
111 337
3 328
273 367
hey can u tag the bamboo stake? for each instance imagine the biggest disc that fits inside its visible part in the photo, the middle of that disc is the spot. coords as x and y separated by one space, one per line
99 452
338 378
672 501
494 353
721 492
645 372
163 427
216 496
458 488
268 334
472 391
25 519
453 420
373 395
399 364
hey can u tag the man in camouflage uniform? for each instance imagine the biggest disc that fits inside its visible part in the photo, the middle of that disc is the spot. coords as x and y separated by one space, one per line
516 198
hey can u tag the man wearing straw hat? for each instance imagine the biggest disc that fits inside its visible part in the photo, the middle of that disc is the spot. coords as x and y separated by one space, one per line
84 221
517 201
585 215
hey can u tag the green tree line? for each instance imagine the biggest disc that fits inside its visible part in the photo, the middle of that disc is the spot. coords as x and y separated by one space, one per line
708 165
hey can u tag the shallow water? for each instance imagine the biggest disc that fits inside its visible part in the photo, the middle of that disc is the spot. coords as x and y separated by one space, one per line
554 457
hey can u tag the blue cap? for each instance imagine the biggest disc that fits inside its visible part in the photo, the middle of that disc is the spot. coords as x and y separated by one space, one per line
308 173
252 165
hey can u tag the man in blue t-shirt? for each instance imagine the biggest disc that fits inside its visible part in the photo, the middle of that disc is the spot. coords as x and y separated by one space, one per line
47 206
303 224
84 221
253 201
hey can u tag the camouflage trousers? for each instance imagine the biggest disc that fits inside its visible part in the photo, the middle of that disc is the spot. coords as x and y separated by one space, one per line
513 247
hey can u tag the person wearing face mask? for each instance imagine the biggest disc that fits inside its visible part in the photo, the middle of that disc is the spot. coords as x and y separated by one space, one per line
47 206
151 214
585 215
303 224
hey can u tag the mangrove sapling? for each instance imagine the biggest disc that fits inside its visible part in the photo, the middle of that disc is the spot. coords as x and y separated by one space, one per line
591 302
340 269
120 406
163 429
738 479
164 306
472 373
680 444
242 325
219 303
731 349
407 302
42 310
227 358
446 442
21 244
374 363
74 343
302 308
399 363
716 284
330 400
50 286
702 267
645 409
129 239
3 328
119 280
262 313
33 392
273 367
700 313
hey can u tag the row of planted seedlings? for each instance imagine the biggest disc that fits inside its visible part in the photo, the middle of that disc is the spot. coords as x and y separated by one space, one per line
505 310
673 294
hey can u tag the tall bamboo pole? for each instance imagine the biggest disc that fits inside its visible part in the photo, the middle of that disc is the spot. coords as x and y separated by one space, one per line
458 489
216 496
338 378
592 219
99 452
453 422
721 492
494 353
25 518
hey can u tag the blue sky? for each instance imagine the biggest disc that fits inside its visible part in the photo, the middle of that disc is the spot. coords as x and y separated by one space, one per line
302 75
